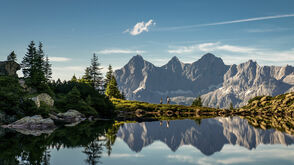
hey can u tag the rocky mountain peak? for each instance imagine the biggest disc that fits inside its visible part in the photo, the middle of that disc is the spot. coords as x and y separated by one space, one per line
209 59
250 63
175 59
136 62
137 58
173 64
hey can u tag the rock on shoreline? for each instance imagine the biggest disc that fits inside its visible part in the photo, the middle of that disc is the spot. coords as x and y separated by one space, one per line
69 117
32 123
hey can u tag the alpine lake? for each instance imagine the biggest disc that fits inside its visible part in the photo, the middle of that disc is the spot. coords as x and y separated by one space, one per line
186 140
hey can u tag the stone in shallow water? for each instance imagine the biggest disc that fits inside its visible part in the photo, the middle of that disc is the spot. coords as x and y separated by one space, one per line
71 116
32 123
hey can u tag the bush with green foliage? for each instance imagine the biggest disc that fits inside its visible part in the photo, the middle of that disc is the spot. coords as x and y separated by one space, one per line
10 95
74 101
13 100
85 96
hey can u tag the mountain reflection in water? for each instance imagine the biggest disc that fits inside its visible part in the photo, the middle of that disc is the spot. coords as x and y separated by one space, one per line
142 143
209 136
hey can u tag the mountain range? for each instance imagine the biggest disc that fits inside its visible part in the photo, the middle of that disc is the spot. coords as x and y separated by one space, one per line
218 84
233 131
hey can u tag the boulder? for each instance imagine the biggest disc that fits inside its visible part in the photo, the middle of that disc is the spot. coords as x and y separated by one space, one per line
45 98
35 132
8 68
71 116
32 123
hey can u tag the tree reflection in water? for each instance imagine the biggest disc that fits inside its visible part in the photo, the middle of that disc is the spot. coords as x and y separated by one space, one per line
93 151
17 148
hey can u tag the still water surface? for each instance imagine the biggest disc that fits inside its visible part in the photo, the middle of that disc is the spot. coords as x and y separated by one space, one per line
209 141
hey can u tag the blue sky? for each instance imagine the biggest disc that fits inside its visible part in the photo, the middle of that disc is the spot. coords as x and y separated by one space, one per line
72 30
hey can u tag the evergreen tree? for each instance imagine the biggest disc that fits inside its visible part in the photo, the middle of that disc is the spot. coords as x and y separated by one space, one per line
47 69
74 96
33 66
93 151
75 101
123 97
108 76
11 57
112 90
74 78
197 102
87 76
95 72
231 106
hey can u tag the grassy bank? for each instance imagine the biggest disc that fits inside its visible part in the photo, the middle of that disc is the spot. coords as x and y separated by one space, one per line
127 106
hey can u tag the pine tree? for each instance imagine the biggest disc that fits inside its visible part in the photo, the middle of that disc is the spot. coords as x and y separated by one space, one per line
47 69
197 102
74 96
231 106
33 66
112 90
108 76
87 76
28 60
74 78
123 97
93 151
95 72
11 57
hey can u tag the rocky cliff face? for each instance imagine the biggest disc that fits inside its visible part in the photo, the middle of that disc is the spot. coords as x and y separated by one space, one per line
141 80
8 68
219 84
247 80
209 137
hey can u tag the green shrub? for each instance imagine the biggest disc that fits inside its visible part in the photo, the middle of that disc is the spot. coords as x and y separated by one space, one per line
29 107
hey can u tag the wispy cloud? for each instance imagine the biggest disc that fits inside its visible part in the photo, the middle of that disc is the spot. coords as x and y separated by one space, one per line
234 54
225 22
209 47
236 49
66 72
140 27
59 59
120 51
265 30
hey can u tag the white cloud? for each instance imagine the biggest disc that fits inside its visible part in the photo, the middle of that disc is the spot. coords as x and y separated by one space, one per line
140 27
236 49
183 49
266 30
250 19
210 47
225 22
233 54
59 59
207 47
120 51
